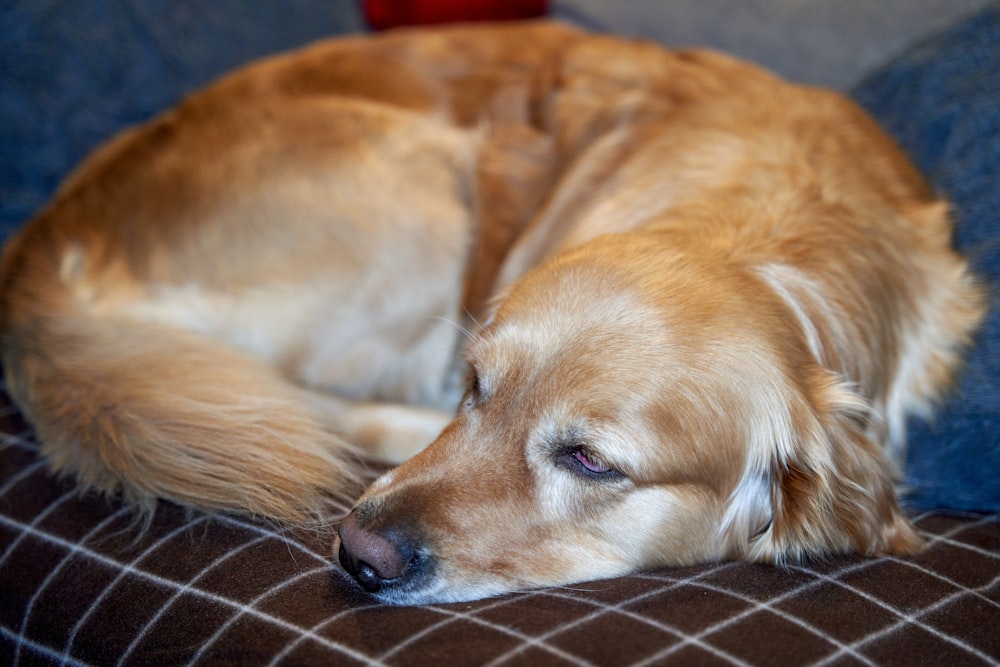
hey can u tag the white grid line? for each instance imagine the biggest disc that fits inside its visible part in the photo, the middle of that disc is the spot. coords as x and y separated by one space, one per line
757 605
449 619
539 641
276 535
251 610
39 648
315 629
842 648
904 619
22 475
617 608
223 601
22 440
975 592
962 527
25 618
528 640
912 619
8 410
179 593
106 591
41 516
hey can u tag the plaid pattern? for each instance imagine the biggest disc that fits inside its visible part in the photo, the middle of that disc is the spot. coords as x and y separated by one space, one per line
81 585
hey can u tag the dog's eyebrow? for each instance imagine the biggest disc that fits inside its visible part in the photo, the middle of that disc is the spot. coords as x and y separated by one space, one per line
561 442
472 354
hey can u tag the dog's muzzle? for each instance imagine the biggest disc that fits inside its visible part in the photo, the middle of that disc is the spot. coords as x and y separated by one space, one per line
385 562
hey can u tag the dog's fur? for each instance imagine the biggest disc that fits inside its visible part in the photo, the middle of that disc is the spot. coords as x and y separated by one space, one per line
703 303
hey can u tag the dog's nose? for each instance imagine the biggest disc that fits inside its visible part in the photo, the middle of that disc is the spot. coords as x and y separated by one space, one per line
375 559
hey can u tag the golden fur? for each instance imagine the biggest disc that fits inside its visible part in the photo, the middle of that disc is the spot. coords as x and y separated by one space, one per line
702 300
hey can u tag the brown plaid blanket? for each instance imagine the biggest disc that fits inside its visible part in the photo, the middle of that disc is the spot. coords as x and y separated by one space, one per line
80 583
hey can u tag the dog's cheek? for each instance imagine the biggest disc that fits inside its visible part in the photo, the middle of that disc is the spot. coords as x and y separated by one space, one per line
539 558
493 545
519 537
666 525
643 528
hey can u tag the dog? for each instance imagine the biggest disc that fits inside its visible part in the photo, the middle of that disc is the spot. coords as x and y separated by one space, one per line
684 309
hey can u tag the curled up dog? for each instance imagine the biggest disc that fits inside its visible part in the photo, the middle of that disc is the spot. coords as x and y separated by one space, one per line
684 309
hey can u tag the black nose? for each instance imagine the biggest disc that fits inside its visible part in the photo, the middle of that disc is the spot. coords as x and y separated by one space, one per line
377 559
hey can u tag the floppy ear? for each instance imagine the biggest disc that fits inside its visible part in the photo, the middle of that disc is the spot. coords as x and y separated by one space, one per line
832 490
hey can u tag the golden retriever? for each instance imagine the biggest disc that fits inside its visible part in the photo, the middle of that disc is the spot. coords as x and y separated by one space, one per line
694 305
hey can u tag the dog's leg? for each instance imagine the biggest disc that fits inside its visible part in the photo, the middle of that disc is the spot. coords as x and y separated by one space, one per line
387 432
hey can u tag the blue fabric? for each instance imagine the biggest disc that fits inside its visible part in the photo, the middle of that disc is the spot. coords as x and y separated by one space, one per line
941 100
72 73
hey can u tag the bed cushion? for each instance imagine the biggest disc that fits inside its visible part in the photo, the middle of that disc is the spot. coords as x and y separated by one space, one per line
80 587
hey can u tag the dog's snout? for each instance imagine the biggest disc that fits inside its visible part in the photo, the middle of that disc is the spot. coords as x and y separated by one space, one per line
376 559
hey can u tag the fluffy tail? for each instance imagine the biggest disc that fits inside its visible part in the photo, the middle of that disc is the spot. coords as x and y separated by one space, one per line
134 409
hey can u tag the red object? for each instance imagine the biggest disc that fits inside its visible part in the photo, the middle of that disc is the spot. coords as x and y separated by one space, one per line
382 14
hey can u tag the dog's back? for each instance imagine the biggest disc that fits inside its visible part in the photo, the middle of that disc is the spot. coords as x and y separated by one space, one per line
162 313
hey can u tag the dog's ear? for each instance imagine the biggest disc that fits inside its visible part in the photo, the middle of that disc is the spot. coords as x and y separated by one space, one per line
832 488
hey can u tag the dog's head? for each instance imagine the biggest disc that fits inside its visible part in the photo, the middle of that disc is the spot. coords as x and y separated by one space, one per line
628 407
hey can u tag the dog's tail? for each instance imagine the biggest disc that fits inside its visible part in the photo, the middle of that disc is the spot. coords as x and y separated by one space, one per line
133 409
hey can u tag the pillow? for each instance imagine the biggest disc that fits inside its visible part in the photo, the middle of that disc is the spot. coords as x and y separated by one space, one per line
941 101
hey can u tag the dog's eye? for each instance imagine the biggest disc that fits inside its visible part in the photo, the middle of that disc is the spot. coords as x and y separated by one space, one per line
590 463
473 391
581 461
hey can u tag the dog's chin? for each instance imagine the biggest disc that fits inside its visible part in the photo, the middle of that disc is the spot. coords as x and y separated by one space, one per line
436 591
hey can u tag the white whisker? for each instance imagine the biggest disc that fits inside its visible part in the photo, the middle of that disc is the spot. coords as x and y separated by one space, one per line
468 334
